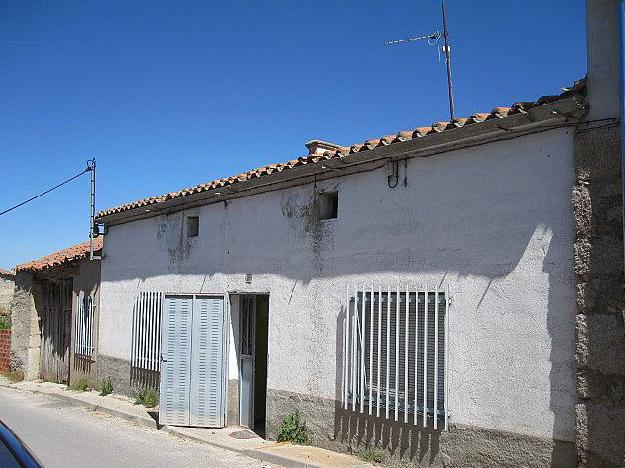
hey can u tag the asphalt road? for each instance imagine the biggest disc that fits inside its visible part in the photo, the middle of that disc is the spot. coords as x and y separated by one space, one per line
62 435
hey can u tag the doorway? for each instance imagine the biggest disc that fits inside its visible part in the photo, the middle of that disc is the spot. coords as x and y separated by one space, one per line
253 329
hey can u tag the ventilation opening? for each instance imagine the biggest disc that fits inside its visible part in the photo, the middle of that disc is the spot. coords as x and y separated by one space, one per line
328 205
193 226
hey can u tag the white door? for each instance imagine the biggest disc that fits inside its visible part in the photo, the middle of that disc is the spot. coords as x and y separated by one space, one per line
192 367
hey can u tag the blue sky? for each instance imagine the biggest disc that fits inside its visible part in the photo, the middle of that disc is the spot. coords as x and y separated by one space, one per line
169 94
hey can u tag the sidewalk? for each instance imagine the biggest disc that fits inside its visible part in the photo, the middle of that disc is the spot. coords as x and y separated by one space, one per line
114 405
235 439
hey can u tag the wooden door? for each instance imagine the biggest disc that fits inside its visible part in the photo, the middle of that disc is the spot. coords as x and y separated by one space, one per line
56 327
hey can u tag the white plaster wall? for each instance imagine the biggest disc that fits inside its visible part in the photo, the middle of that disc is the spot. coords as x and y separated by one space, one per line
494 222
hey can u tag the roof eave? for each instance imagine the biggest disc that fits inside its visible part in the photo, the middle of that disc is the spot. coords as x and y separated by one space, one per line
566 111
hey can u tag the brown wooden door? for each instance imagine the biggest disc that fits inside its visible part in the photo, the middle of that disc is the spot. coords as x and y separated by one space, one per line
56 328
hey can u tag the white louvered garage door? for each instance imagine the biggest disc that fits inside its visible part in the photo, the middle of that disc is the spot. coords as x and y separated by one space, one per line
176 361
207 362
192 384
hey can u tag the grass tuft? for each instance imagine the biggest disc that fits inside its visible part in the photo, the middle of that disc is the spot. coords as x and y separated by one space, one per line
147 397
372 455
80 385
13 376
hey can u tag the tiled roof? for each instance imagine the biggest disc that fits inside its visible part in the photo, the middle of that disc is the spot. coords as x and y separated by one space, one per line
62 257
578 88
4 272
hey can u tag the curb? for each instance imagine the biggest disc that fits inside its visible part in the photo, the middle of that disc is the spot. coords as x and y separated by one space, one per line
257 453
279 459
140 420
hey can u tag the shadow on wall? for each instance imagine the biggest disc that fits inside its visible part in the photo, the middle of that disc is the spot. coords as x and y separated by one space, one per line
144 378
406 442
400 440
356 430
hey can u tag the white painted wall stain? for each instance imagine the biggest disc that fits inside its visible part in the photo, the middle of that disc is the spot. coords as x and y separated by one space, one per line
494 222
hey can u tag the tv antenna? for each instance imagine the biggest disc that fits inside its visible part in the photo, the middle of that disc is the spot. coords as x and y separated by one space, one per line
432 40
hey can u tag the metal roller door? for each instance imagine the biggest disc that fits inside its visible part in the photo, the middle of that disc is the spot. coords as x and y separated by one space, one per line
192 368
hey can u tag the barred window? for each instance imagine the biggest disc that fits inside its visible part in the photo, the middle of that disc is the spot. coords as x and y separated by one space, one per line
146 331
395 351
83 336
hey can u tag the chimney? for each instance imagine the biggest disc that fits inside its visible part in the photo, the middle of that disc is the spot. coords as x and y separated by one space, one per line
318 147
602 46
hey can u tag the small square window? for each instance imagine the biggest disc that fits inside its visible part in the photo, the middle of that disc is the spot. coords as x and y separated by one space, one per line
328 205
193 226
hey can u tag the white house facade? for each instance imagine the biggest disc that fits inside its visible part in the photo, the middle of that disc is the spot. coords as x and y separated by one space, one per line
480 214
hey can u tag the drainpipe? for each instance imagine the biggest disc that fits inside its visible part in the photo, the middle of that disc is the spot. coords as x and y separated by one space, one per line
621 26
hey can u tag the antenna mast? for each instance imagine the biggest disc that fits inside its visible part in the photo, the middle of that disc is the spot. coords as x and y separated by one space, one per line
446 49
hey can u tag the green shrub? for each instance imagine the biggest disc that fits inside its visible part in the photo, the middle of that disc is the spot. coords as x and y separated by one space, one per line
5 322
372 455
293 429
80 385
106 386
147 397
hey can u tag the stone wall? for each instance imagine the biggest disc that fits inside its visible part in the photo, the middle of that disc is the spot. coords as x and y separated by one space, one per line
7 284
26 338
600 330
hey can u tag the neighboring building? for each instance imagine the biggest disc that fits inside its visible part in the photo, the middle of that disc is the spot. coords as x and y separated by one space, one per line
7 284
55 316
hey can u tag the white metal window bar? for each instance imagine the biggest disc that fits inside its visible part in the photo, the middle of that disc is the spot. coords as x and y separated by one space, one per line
146 330
83 330
395 353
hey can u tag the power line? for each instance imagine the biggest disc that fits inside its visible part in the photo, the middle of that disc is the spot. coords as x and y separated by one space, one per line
87 169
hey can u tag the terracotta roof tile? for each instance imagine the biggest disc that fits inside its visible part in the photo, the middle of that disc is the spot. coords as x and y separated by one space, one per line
4 272
419 132
62 257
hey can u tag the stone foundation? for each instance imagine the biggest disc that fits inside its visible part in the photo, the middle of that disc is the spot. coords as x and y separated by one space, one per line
405 444
232 412
119 372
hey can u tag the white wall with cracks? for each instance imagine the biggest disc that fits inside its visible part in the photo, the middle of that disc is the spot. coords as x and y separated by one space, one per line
494 222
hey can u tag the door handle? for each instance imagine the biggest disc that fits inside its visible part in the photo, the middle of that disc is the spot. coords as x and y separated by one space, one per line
163 358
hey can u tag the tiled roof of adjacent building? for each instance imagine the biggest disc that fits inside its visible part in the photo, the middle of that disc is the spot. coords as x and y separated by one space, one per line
62 257
4 272
336 151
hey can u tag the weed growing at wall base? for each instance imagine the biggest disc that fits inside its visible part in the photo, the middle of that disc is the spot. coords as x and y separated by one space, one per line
5 323
80 385
293 429
146 397
372 455
106 386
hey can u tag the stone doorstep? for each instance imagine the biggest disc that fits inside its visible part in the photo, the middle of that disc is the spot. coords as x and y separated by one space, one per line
280 453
